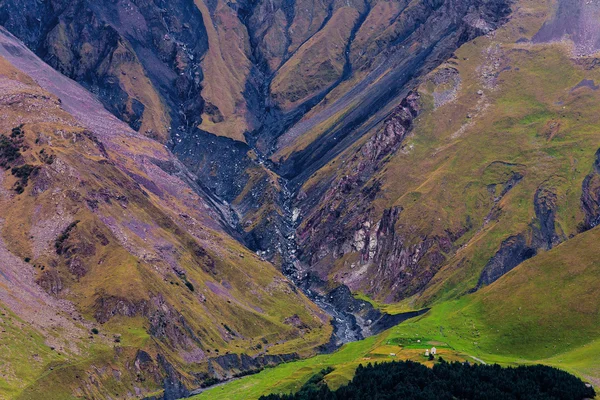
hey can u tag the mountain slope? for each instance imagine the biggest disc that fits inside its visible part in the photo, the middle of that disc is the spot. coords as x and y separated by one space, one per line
126 247
409 153
487 164
240 82
543 311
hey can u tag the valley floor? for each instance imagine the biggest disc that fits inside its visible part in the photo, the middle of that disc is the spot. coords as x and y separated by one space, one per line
407 341
549 318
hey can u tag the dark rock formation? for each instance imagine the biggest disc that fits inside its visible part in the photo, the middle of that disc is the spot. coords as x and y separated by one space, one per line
372 320
513 251
345 223
172 381
590 197
170 326
544 233
109 306
228 366
544 204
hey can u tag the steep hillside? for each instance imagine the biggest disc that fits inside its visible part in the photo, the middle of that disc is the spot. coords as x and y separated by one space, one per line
300 116
147 60
119 269
489 162
544 311
230 85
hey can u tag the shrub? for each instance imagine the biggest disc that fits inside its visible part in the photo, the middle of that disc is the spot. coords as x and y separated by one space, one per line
59 244
17 132
9 152
189 285
23 172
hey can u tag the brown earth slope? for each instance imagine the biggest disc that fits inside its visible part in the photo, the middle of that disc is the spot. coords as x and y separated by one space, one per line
115 265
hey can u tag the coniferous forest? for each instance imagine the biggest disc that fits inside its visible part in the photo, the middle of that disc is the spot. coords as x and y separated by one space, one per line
409 380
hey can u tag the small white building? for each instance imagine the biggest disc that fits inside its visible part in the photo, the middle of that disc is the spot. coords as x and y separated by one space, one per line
427 353
433 351
392 354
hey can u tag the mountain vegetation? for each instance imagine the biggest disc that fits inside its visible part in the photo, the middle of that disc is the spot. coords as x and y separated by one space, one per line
118 274
410 380
236 199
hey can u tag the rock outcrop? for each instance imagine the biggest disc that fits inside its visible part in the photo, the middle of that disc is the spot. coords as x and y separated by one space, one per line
342 223
590 197
231 365
512 252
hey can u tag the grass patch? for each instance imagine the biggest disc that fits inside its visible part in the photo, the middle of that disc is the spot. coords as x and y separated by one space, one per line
544 311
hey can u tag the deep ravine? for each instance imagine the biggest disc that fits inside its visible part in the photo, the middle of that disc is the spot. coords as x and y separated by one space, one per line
352 319
345 327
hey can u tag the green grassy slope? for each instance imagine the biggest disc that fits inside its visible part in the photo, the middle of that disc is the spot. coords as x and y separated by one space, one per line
544 311
512 108
533 120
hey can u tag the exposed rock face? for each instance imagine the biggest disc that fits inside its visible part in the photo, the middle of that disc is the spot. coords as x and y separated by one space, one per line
395 129
345 223
590 198
108 307
162 371
576 19
545 203
371 320
230 365
450 81
403 268
513 251
172 382
543 234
